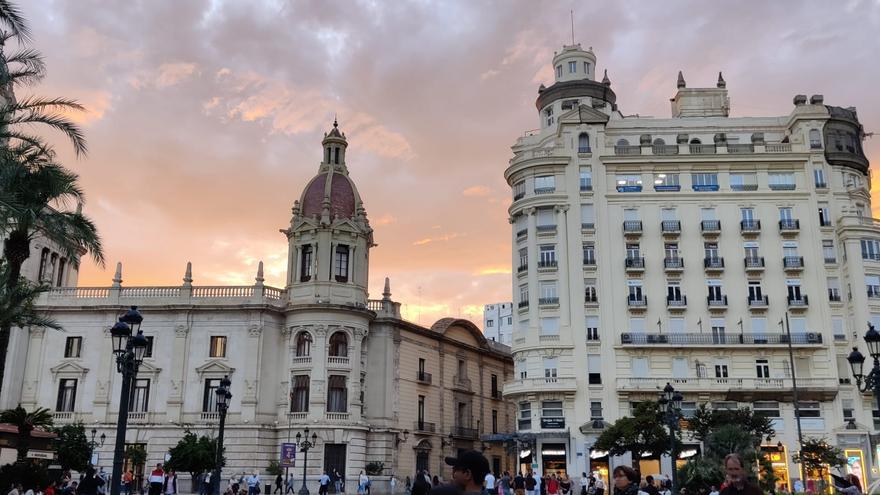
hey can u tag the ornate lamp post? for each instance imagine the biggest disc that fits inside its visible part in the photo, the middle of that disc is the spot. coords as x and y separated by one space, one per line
670 405
871 382
223 397
129 346
302 441
93 444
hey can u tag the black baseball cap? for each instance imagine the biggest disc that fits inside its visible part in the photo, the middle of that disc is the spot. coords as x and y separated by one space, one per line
473 461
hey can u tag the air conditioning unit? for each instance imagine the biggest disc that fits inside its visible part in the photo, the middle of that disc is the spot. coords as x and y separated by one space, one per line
626 338
814 338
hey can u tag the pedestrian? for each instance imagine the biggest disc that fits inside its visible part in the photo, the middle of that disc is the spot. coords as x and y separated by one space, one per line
50 489
253 484
565 484
102 487
392 483
323 483
420 486
599 486
585 483
339 480
278 481
519 484
435 481
855 486
127 479
90 483
16 489
713 490
737 484
650 488
531 483
626 480
489 484
170 487
363 479
288 484
206 483
469 471
157 478
407 486
553 485
505 483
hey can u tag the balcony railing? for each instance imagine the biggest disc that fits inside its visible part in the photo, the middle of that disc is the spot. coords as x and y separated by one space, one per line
713 263
873 292
637 338
584 149
337 416
830 261
632 226
673 264
793 262
798 302
750 225
789 225
545 190
717 301
821 185
634 263
744 187
338 361
210 416
677 302
461 382
547 264
424 427
590 261
834 295
586 186
522 268
702 149
463 432
670 226
634 302
523 304
758 302
753 263
495 394
423 377
782 187
777 147
710 226
664 149
545 228
548 301
736 149
519 195
628 150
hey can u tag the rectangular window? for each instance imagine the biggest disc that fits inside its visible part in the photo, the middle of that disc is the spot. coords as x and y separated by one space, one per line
572 67
66 395
592 324
679 368
637 325
591 294
781 181
594 369
494 421
721 370
785 214
421 412
595 410
744 181
848 408
149 352
833 288
635 290
551 367
140 396
589 253
305 266
824 215
523 295
218 347
872 283
545 184
519 190
640 367
549 326
588 216
209 397
551 409
493 382
809 410
587 68
747 214
548 293
819 178
688 409
704 181
341 263
490 323
837 328
870 249
73 347
586 179
762 368
828 252
521 369
676 325
546 219
525 415
768 409
337 394
755 291
666 182
558 71
629 183
548 256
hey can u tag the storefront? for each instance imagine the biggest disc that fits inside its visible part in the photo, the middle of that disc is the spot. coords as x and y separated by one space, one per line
775 454
554 459
855 464
599 464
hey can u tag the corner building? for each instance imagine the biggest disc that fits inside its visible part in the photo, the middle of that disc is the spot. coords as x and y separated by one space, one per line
673 250
317 354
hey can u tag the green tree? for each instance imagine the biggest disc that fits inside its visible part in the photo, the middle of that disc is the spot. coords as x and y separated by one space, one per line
72 447
637 434
26 422
17 305
274 468
705 420
33 187
194 454
818 456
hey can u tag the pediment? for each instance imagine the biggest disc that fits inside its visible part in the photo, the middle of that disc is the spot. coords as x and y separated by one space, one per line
215 367
584 114
146 368
69 368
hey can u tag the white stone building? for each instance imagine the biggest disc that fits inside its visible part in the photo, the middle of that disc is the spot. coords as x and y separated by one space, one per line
655 250
498 322
316 354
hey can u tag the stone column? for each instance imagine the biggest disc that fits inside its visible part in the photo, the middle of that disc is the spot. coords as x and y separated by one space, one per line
180 351
354 380
251 372
318 375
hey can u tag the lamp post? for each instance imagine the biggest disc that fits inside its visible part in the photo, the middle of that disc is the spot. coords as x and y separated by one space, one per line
93 444
670 405
302 441
223 396
129 346
871 381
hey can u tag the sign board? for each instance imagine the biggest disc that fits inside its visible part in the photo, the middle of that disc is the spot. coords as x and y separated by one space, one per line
40 454
553 423
288 454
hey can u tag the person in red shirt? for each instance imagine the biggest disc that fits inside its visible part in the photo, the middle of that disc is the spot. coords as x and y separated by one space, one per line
157 480
553 485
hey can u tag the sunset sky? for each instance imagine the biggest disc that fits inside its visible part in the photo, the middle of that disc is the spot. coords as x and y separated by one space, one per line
205 117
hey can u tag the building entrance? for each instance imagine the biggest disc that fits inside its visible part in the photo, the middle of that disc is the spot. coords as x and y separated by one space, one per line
553 459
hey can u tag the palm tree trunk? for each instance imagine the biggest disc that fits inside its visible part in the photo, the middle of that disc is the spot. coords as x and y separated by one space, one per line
16 249
24 442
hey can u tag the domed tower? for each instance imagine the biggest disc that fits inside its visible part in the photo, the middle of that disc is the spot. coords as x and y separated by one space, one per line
329 236
574 63
574 85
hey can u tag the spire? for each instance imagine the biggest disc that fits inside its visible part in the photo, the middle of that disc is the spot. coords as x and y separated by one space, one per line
259 279
681 84
605 80
188 275
721 82
117 277
386 294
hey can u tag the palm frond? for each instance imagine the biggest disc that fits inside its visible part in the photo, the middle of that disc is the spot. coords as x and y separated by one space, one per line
27 57
37 114
12 18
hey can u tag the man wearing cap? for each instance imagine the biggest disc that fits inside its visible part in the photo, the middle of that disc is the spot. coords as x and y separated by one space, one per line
469 470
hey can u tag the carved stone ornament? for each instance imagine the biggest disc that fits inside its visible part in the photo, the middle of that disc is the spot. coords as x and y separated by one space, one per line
320 330
255 330
38 332
360 333
181 330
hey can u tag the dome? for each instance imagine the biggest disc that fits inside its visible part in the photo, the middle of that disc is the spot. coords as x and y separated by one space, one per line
337 188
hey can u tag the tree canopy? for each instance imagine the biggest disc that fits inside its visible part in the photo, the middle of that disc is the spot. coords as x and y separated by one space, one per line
641 433
72 447
193 454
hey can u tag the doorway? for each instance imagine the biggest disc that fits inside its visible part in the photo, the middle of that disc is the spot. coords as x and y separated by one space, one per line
334 459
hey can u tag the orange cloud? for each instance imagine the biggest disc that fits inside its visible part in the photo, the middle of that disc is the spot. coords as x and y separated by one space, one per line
476 192
442 238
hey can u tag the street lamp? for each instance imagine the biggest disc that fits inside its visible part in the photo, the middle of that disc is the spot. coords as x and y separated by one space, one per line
129 346
856 359
302 441
223 396
93 443
670 405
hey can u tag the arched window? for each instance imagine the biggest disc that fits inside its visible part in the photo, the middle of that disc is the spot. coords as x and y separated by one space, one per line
815 139
61 266
337 394
659 142
299 397
44 262
696 141
584 143
622 142
339 344
303 344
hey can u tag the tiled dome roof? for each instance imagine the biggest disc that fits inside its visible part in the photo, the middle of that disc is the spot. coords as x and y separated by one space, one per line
340 191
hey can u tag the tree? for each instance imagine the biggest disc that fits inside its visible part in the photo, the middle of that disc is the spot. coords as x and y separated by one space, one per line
26 422
274 468
32 185
72 447
194 454
17 305
706 420
641 433
818 456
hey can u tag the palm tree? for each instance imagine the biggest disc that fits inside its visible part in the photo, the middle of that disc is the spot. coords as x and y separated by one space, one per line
26 422
17 307
34 189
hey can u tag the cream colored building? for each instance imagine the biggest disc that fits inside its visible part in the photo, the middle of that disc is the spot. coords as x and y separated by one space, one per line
317 354
655 250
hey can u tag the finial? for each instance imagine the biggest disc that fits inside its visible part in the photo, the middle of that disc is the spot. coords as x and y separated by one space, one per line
605 80
117 277
681 83
260 278
386 294
335 123
721 82
188 275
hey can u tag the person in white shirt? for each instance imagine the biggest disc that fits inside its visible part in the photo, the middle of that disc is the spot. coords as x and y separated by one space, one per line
253 483
713 491
489 484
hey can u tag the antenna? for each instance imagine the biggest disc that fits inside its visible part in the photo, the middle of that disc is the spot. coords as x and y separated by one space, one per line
572 26
419 312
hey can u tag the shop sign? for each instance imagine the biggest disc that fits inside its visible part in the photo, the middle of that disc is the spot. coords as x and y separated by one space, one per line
40 454
553 423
